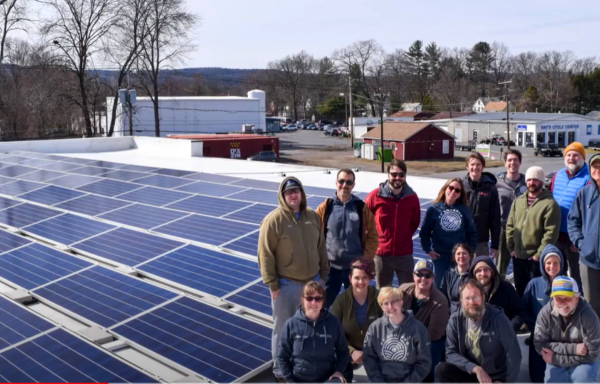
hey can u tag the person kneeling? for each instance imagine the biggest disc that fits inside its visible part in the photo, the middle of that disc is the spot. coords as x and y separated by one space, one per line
396 347
481 345
567 335
312 347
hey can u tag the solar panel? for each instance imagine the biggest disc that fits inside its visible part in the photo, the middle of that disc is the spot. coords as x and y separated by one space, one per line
60 166
102 296
314 201
25 214
361 195
268 185
73 181
18 323
105 164
253 214
321 192
211 272
41 176
59 356
256 195
173 172
137 168
16 171
124 175
36 162
207 205
8 241
209 189
7 203
109 188
208 230
67 229
143 216
76 160
91 171
51 195
216 344
34 265
92 205
126 247
19 187
154 196
247 244
14 159
256 297
212 178
162 181
6 180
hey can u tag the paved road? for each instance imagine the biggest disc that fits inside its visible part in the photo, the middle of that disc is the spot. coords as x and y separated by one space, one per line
309 140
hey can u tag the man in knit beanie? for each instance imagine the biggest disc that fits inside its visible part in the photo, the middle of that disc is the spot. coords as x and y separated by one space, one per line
533 223
564 186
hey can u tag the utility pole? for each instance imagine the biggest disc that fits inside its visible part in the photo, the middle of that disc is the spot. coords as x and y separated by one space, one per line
505 83
129 106
351 121
345 110
381 107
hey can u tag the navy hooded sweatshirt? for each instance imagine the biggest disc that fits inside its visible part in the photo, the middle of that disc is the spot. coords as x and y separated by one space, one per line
450 287
537 292
502 294
312 351
447 225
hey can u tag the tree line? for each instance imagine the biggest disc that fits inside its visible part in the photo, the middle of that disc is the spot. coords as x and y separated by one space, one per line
49 86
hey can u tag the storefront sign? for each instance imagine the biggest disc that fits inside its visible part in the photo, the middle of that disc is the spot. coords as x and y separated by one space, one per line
557 127
521 127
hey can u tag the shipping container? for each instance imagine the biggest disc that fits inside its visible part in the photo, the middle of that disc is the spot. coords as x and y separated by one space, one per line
233 146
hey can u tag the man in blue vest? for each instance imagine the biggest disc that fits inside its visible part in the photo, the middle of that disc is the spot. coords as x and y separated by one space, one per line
564 186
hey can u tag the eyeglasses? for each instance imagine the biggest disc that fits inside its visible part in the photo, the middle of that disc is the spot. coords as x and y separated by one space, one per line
423 275
318 299
397 174
474 299
389 303
292 191
347 182
454 189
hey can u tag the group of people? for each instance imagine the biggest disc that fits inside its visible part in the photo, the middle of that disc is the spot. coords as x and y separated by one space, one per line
453 318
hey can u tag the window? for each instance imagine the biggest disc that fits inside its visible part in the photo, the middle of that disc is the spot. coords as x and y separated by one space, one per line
445 147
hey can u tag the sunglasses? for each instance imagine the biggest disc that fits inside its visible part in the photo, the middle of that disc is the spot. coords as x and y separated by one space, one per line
454 189
318 299
347 182
423 275
397 174
292 191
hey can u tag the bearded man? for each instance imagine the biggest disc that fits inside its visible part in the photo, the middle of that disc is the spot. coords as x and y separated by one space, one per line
481 345
567 335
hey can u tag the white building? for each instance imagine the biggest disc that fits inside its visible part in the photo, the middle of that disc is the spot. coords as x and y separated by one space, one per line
183 115
411 107
479 106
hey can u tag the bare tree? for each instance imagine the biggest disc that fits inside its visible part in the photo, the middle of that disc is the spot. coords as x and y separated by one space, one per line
502 62
292 75
12 15
76 28
125 44
167 41
552 80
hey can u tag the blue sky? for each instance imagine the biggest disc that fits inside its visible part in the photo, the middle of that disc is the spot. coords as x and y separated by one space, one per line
250 33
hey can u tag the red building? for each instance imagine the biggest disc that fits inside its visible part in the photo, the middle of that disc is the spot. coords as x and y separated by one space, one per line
413 140
233 146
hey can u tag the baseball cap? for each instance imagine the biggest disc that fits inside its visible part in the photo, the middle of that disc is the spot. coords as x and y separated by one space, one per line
424 264
290 184
595 157
564 286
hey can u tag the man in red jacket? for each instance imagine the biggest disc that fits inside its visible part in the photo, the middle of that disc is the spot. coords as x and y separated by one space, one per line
397 215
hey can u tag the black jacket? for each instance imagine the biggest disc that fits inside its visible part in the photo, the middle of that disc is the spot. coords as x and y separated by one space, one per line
483 200
502 294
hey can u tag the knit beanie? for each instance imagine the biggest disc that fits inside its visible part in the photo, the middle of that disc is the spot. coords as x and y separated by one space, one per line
535 173
575 146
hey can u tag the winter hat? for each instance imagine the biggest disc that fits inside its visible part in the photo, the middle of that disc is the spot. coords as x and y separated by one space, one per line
594 157
564 286
575 146
535 172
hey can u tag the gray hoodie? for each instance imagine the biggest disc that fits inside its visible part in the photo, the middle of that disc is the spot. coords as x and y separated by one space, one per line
397 355
508 194
584 327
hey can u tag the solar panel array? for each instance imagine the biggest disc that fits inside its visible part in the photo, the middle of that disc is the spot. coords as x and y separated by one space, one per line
195 232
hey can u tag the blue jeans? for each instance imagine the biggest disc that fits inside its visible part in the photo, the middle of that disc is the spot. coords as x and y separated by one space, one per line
584 373
441 265
333 285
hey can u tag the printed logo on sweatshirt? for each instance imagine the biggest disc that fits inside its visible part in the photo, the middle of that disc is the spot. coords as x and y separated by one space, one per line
451 220
574 333
395 348
354 216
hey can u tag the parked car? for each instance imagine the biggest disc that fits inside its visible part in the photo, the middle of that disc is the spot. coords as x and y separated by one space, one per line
290 128
264 156
332 131
547 150
548 179
594 144
312 127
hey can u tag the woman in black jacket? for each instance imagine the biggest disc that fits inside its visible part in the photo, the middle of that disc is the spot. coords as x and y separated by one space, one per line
312 346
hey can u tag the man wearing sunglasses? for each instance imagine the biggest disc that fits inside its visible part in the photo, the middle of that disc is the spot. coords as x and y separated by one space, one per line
349 230
291 252
430 307
397 216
